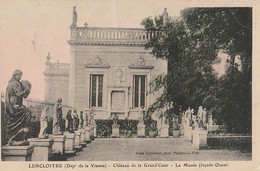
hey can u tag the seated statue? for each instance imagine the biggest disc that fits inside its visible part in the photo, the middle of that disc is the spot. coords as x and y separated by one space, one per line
17 116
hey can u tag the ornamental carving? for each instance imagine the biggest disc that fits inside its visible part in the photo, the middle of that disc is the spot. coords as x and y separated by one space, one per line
97 62
140 64
119 74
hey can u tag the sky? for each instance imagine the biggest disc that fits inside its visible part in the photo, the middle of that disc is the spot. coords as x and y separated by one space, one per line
30 29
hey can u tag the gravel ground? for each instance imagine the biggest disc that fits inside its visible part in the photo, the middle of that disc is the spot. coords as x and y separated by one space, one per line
152 149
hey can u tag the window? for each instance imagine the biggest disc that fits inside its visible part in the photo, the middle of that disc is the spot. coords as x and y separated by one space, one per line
96 82
139 90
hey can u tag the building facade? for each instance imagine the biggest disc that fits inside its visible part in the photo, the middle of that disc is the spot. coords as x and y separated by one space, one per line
109 70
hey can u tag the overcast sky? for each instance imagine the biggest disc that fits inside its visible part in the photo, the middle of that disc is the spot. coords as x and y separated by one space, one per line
31 29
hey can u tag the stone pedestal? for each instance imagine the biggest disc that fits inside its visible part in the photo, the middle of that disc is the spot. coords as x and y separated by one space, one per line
77 144
42 149
17 153
87 135
58 146
69 143
115 131
164 131
92 136
188 133
140 130
199 140
82 138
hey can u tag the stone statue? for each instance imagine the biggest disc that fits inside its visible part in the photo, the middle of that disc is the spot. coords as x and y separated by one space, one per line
44 123
92 117
86 119
210 121
70 122
141 119
81 119
57 118
75 16
17 116
204 118
115 119
165 16
76 120
199 117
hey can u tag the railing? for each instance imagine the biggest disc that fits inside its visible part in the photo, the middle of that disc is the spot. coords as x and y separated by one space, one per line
59 66
110 33
36 107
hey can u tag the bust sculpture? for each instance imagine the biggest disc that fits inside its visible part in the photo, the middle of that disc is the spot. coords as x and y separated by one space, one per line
115 119
17 116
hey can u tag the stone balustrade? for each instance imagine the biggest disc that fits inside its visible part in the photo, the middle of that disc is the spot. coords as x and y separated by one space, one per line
59 66
102 33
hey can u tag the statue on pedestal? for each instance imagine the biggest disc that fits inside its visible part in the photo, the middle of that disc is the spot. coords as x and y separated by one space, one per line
86 119
76 120
188 115
44 123
70 122
141 119
57 118
75 17
17 116
81 119
92 117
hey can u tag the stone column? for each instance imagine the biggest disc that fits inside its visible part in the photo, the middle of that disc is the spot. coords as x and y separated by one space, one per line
17 153
42 149
59 144
87 134
115 131
77 144
140 130
69 143
199 139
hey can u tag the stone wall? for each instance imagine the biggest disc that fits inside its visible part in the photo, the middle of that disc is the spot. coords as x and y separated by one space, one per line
112 58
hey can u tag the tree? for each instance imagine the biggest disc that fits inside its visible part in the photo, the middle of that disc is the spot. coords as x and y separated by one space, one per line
191 45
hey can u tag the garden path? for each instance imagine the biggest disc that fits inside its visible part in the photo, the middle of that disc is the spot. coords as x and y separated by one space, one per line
152 149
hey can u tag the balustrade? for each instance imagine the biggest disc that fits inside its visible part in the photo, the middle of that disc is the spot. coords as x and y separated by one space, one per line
110 33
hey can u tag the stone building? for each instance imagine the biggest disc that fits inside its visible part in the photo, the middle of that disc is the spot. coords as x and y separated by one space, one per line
109 70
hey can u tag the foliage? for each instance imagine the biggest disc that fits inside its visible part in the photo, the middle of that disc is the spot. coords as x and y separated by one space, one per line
104 127
34 129
150 124
176 125
191 45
